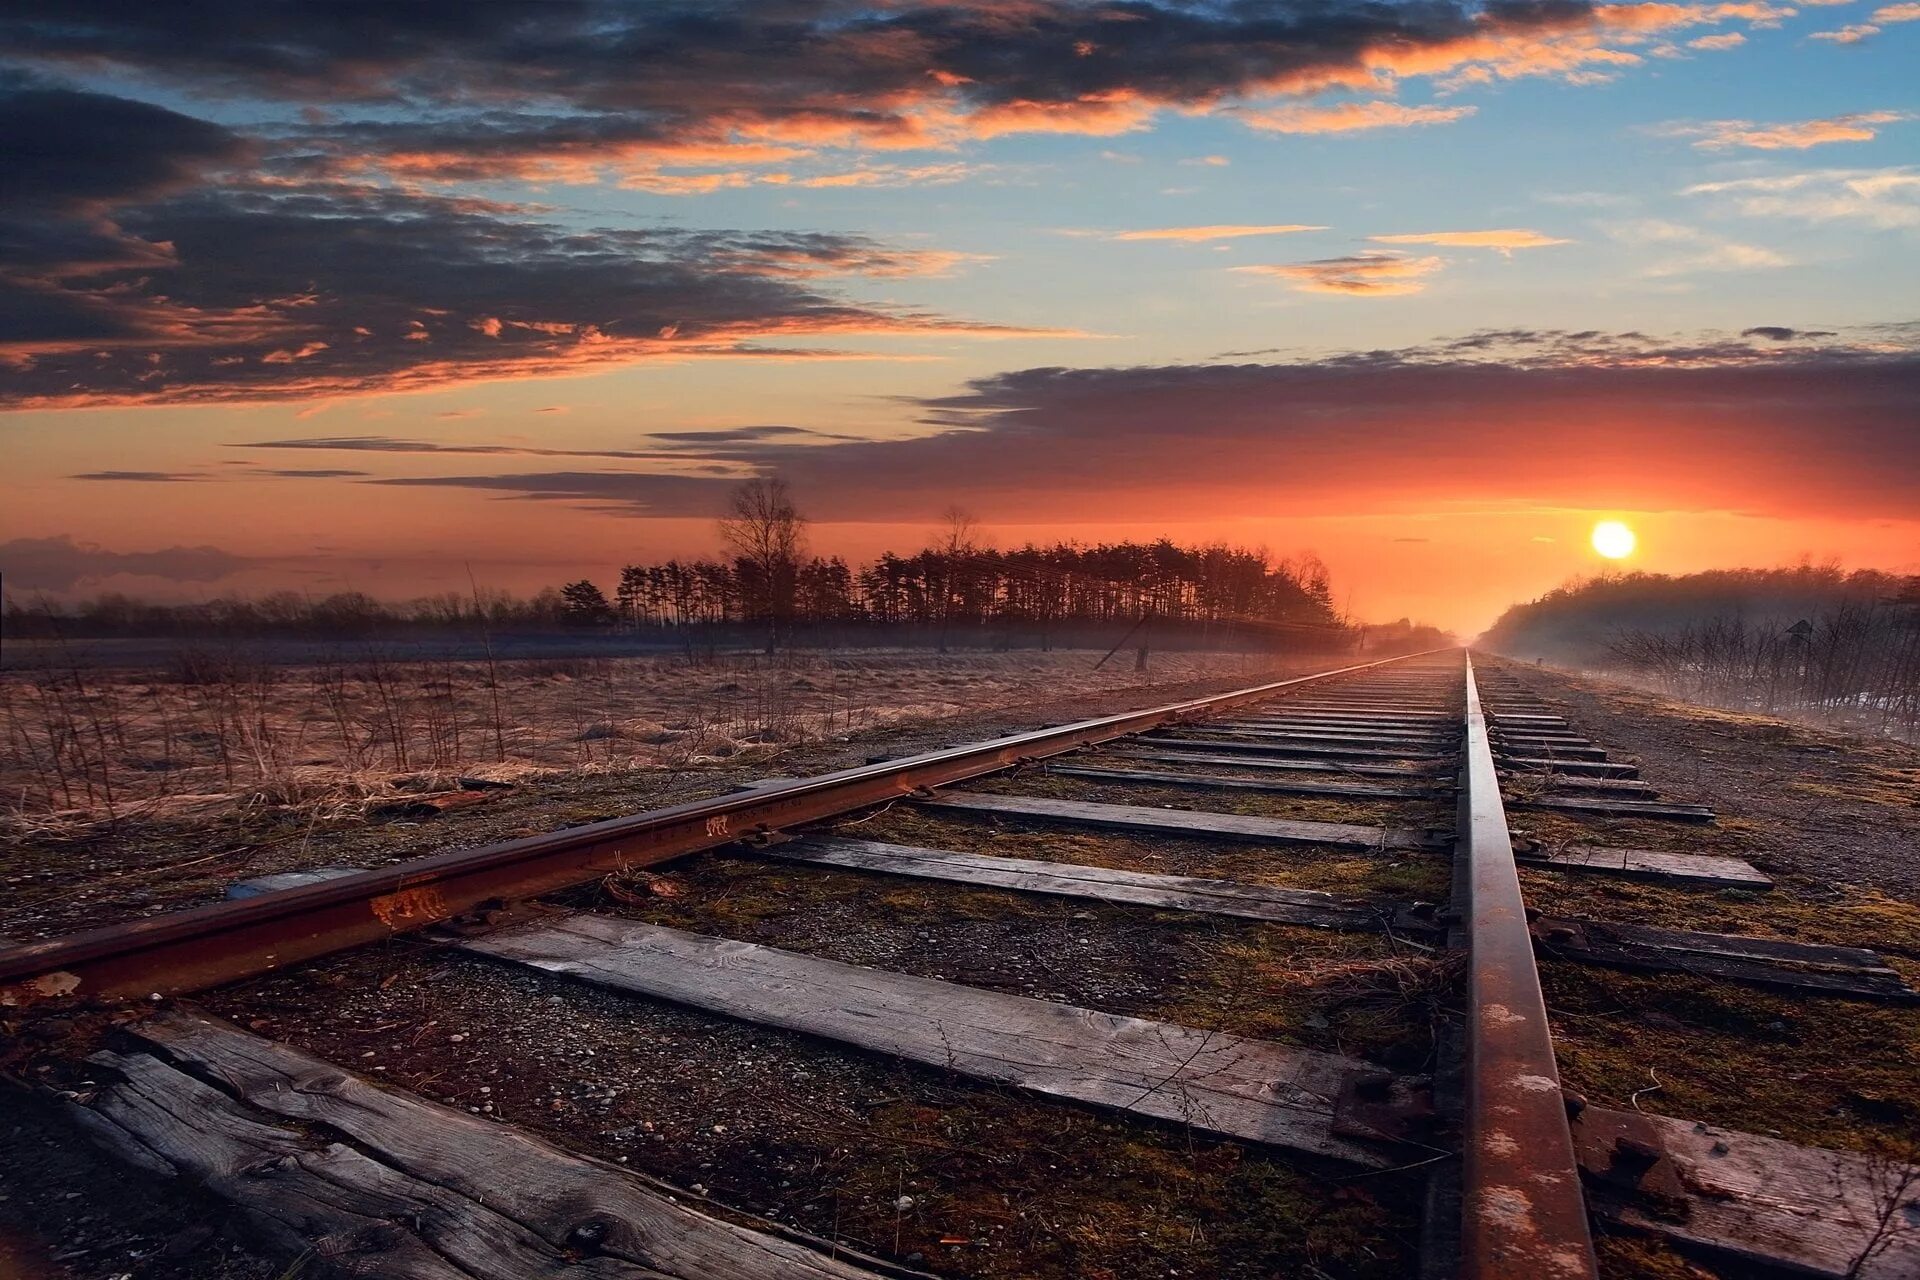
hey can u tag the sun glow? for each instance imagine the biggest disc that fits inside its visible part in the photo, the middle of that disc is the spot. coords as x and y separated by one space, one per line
1613 539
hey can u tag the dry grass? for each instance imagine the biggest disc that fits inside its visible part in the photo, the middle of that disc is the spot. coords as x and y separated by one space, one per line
221 729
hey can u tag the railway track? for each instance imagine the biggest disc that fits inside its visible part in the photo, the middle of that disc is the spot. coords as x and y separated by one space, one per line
1287 934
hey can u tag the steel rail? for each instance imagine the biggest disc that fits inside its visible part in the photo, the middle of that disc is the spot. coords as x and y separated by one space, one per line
204 946
1523 1211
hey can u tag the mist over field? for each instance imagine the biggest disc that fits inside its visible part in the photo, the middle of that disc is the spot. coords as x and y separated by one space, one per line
1810 641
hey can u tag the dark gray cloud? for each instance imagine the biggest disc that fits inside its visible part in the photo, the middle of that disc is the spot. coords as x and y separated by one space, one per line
477 89
392 444
69 159
629 492
68 149
674 444
1587 419
745 435
1780 333
60 564
141 477
190 477
260 291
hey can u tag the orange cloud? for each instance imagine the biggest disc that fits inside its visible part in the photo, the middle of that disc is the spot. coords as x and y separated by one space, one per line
1853 34
685 184
1221 232
1359 275
1897 13
1506 240
1351 117
891 176
1097 115
1719 135
305 351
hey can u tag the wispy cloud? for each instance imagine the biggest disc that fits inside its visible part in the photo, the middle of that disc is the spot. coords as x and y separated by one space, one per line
885 175
1585 199
1505 239
1350 117
1686 250
1885 198
673 446
1884 16
1359 275
60 564
1720 135
142 477
1224 231
1853 33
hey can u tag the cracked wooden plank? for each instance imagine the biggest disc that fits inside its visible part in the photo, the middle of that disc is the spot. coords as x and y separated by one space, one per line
1106 884
1265 786
1607 807
432 1191
1220 1083
1279 745
1185 822
342 1212
1253 748
1708 871
1836 1215
1275 766
1770 962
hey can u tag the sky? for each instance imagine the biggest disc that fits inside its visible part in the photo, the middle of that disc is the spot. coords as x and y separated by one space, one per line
356 296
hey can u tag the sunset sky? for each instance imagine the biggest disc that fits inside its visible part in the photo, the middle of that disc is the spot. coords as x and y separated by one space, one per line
355 295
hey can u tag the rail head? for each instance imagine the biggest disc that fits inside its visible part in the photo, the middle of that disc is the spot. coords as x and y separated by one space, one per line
205 946
1524 1212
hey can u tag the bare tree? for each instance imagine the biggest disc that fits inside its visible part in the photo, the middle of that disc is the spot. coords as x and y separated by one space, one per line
766 534
954 547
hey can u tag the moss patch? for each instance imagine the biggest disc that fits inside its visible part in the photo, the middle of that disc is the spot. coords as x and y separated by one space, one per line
1857 918
1823 1072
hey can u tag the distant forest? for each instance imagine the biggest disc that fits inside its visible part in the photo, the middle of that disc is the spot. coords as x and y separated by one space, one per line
965 587
1844 646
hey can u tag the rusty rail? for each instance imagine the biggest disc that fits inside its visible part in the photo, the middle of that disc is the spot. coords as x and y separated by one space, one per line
1524 1214
205 946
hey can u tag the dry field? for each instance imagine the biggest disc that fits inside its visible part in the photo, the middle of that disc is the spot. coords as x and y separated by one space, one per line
219 731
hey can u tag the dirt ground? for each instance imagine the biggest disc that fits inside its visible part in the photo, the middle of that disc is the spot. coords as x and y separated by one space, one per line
1809 804
972 1180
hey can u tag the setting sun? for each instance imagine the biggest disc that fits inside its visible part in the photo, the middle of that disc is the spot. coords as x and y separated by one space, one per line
1613 539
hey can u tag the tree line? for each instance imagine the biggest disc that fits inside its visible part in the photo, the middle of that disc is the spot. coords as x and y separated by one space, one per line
954 582
768 584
